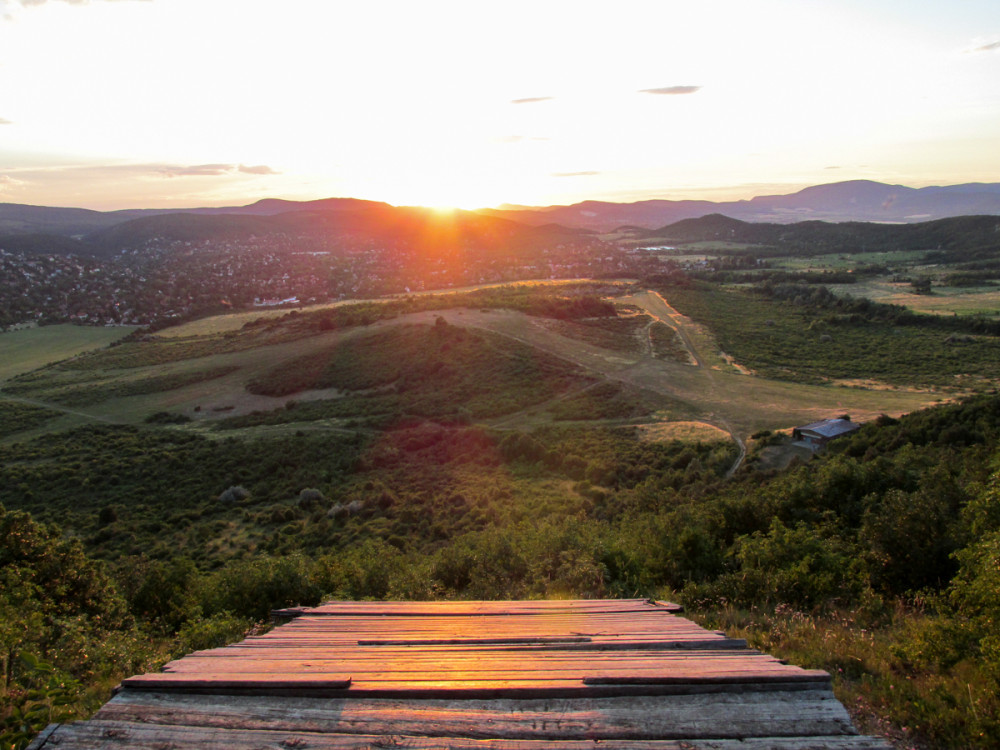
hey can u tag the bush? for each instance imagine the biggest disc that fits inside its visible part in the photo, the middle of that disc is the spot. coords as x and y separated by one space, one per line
311 498
235 494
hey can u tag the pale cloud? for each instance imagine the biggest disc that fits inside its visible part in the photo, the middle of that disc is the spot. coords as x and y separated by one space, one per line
672 90
146 184
198 170
29 3
140 171
152 170
5 121
990 47
9 9
259 169
7 183
575 174
532 100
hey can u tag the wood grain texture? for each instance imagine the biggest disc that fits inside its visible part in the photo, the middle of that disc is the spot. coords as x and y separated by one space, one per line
96 735
516 675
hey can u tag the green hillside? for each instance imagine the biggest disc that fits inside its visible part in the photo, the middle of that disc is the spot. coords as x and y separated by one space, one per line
163 494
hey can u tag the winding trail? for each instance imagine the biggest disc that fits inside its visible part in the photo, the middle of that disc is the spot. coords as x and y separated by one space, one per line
57 407
660 310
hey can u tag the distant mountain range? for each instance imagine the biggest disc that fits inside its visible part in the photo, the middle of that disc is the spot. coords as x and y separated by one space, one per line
346 221
957 238
857 200
44 229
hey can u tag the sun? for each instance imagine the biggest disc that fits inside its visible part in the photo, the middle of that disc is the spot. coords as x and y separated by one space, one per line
448 197
443 189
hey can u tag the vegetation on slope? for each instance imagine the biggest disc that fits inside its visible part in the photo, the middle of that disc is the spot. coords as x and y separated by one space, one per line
432 368
806 334
876 561
887 545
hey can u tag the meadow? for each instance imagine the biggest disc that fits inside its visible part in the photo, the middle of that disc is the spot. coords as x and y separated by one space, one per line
28 349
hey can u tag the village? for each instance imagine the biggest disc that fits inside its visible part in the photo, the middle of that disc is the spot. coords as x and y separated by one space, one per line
167 281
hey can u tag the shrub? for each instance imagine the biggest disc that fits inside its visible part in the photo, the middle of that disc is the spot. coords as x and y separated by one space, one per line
236 493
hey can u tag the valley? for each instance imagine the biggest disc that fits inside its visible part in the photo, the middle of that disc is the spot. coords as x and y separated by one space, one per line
617 435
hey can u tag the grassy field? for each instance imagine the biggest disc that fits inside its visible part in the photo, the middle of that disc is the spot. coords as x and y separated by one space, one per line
210 386
220 324
31 348
979 300
842 262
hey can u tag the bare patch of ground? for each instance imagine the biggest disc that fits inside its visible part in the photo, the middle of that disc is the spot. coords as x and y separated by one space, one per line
686 430
874 385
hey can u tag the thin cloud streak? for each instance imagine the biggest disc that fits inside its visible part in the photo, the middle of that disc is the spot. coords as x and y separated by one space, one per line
672 90
992 46
199 170
168 171
34 3
260 169
575 174
532 100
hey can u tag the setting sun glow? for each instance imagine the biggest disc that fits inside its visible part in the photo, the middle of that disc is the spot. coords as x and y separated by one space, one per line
473 104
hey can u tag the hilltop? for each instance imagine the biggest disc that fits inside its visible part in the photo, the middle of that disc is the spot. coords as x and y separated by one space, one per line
854 200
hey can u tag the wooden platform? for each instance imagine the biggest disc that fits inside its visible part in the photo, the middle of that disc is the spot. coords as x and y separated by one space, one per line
609 674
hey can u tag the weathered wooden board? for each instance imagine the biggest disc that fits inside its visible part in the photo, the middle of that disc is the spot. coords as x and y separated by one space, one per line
95 735
504 675
461 609
641 717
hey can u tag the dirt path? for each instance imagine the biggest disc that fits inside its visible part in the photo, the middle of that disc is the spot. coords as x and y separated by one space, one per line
738 403
658 309
57 407
709 392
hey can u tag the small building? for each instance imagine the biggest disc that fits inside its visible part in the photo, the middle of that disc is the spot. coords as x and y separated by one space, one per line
816 435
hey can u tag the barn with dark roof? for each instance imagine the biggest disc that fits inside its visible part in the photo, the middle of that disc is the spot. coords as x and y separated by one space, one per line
817 434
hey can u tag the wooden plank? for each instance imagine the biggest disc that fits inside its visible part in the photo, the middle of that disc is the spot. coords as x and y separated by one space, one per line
351 663
234 681
107 735
492 689
521 675
783 713
39 742
465 608
593 647
484 664
530 641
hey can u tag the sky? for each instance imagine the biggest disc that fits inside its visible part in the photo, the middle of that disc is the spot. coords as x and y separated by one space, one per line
109 104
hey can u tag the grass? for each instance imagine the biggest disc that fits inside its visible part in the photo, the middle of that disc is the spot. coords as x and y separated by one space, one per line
50 389
693 432
16 417
435 370
867 655
747 403
667 344
842 262
220 324
26 350
623 334
609 400
785 341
